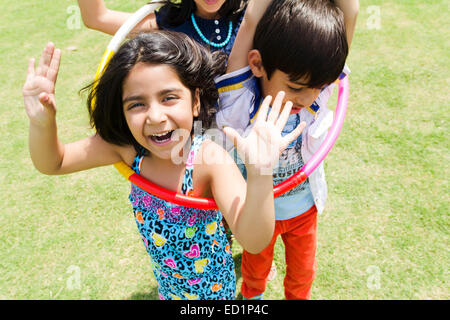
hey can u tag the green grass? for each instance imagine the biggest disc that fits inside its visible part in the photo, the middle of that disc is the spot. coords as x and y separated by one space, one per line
383 235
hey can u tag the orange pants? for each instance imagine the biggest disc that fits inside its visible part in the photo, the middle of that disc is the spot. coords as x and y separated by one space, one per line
299 235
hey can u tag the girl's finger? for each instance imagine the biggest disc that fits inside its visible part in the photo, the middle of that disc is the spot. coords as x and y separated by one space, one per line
44 98
287 139
233 135
238 142
285 113
30 70
47 100
53 69
46 57
276 106
262 112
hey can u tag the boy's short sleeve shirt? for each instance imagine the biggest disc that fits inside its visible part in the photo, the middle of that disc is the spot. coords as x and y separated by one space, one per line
239 99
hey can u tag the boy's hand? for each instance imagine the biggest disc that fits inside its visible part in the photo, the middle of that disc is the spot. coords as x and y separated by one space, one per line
261 149
39 88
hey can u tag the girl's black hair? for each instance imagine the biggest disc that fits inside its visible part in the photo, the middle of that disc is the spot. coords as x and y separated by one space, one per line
195 66
180 11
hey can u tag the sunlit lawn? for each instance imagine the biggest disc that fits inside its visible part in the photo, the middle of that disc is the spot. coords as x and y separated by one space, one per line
383 235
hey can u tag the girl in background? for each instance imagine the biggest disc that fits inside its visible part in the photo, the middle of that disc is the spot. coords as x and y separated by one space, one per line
212 23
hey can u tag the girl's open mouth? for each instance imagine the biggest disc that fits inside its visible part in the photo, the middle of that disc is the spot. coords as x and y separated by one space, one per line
162 138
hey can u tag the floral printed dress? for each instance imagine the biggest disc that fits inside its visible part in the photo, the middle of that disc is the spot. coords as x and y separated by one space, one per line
189 252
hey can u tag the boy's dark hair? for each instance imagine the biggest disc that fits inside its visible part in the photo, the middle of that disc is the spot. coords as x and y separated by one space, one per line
196 67
179 12
303 38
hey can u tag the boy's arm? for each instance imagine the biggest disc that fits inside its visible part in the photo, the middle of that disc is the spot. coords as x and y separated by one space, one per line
97 16
350 8
244 39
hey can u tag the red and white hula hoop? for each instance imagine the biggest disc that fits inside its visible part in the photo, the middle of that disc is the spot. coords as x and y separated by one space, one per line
206 203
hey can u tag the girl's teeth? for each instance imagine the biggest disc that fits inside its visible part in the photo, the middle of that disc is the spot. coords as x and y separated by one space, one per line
160 134
162 137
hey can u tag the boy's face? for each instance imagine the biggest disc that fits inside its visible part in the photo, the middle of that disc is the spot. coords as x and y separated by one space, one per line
297 92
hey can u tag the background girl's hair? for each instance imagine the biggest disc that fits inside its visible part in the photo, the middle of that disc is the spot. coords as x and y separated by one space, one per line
195 66
180 11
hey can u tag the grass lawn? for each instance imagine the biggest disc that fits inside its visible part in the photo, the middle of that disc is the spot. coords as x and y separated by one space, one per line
383 235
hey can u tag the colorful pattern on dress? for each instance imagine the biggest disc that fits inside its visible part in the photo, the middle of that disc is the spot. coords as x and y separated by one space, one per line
190 255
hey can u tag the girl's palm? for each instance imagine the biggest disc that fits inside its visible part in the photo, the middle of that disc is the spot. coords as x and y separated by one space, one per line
261 149
39 88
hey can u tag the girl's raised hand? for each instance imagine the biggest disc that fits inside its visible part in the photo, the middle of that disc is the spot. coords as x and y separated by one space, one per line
39 88
261 149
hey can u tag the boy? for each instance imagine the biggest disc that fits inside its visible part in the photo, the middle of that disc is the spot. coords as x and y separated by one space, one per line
299 47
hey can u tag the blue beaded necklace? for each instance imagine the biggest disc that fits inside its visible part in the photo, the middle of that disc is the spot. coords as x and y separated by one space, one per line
216 45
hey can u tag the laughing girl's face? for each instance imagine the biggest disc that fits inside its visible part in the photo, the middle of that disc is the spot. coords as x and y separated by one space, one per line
157 107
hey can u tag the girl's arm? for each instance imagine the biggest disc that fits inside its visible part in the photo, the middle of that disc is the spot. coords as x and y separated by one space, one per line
47 152
350 8
249 207
244 39
97 16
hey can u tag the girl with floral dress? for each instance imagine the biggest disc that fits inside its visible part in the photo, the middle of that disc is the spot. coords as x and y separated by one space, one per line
143 109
